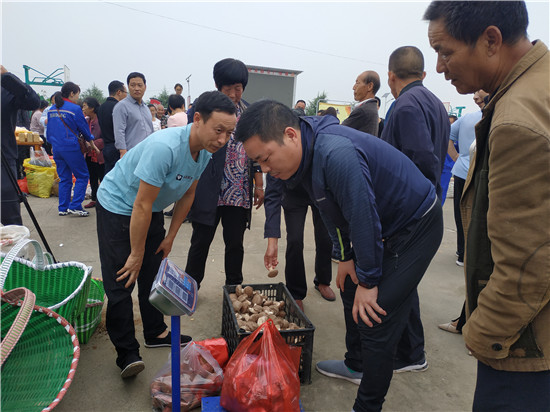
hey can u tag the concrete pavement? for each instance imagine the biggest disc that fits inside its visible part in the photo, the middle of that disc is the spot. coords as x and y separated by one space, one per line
447 385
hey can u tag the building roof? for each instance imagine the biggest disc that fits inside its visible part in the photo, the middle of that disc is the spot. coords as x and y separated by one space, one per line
272 71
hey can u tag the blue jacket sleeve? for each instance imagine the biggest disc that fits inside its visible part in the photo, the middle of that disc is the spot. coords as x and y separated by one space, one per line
347 177
272 206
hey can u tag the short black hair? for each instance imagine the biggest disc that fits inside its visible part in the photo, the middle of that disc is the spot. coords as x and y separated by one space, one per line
407 62
43 104
331 111
115 86
467 20
230 71
175 101
133 75
300 101
374 78
151 105
213 101
268 119
453 116
92 103
178 84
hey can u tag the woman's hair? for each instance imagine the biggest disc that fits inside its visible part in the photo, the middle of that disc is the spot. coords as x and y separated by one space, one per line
178 84
66 91
175 101
230 71
92 103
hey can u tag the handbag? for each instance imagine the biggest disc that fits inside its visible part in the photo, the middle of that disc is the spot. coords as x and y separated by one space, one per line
81 141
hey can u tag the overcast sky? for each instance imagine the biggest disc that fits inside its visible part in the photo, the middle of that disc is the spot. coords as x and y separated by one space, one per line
331 43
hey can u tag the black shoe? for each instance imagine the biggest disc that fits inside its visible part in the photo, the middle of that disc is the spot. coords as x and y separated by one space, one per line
131 367
166 341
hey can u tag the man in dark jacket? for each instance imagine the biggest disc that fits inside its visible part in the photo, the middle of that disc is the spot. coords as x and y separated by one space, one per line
117 92
16 96
418 126
364 116
385 224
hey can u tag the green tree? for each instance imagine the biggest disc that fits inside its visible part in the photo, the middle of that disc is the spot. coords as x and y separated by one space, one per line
311 108
163 97
95 92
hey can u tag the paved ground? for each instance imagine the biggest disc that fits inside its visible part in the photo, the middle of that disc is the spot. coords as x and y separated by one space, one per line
447 385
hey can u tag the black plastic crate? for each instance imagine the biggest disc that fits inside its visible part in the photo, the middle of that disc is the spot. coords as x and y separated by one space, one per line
302 337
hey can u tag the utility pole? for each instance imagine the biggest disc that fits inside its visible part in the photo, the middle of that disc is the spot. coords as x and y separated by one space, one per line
188 91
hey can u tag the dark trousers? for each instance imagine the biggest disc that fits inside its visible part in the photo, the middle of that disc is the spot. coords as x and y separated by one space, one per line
113 234
110 155
233 220
504 391
97 172
407 255
11 204
458 189
295 271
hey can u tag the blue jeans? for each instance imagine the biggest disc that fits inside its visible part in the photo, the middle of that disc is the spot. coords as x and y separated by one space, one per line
71 163
504 391
407 255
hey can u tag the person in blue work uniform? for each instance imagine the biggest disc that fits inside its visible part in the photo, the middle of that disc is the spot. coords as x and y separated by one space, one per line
388 211
161 170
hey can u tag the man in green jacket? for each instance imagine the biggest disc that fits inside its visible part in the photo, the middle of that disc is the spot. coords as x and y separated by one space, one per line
506 200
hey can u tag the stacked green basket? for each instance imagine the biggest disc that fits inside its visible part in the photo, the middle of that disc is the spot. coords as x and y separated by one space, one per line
86 323
61 287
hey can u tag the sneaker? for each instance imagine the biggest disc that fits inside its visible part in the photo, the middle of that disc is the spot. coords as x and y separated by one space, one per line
65 213
338 369
460 263
166 341
400 366
89 205
78 212
132 368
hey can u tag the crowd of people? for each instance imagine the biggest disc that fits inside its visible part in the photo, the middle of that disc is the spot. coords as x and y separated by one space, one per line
375 188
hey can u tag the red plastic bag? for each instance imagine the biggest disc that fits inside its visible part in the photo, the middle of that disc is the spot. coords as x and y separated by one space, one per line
218 349
23 185
261 376
201 376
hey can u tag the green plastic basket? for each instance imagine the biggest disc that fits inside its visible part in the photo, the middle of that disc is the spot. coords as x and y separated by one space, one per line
61 287
41 366
86 323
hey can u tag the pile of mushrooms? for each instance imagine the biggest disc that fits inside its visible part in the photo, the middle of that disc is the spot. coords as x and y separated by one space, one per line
252 309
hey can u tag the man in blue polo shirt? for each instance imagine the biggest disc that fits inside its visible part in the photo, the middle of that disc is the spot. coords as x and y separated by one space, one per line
159 171
388 211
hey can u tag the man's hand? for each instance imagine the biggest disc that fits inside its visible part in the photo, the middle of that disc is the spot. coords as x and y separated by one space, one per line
365 303
165 247
270 257
258 197
345 269
130 270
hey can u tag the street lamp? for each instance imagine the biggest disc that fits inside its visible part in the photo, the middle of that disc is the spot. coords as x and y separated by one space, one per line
188 91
